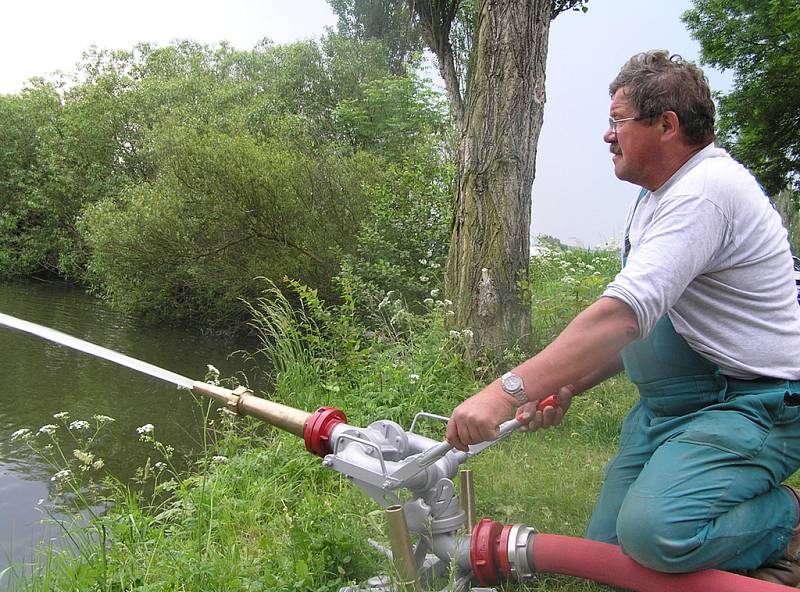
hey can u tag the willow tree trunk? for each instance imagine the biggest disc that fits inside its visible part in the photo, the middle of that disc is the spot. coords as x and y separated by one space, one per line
487 266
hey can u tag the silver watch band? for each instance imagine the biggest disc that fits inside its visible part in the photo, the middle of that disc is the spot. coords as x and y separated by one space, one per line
513 385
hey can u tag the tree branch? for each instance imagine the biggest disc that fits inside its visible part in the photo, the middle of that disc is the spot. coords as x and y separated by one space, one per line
436 19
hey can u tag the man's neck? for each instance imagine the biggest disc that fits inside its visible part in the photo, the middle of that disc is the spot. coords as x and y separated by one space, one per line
672 164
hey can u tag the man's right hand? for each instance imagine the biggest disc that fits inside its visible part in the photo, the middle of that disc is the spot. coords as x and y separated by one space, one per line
533 419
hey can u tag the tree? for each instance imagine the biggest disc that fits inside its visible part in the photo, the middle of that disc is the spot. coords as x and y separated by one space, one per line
386 20
498 111
759 41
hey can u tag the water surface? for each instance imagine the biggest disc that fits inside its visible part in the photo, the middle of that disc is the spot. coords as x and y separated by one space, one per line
39 378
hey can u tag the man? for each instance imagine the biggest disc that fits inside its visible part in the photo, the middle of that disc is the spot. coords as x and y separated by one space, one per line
705 320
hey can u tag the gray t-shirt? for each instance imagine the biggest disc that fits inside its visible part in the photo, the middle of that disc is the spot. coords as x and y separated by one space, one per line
709 249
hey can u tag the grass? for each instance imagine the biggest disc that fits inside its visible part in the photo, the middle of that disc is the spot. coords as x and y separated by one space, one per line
257 513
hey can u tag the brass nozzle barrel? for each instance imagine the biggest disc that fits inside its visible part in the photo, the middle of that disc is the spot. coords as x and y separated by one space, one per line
244 402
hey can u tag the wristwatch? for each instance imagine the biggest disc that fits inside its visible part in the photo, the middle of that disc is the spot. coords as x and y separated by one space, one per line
512 384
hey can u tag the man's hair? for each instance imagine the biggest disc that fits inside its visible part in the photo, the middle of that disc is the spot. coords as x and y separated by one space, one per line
656 81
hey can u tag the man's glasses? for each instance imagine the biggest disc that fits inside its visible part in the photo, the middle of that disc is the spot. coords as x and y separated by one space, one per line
613 123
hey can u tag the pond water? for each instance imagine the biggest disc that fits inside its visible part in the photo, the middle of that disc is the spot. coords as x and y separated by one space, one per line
39 379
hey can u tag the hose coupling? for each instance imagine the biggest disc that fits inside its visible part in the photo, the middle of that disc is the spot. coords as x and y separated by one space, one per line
319 427
501 552
236 395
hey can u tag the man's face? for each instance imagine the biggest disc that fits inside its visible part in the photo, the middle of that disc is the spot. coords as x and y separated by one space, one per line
634 146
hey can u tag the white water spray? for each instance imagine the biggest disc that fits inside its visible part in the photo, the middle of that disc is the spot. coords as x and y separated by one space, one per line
95 350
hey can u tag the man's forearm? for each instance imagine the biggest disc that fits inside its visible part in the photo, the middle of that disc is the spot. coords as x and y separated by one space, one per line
585 353
599 375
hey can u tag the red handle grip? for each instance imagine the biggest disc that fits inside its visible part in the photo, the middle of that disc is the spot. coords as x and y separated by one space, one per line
548 401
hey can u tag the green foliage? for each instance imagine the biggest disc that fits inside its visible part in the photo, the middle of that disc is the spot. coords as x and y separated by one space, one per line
564 282
169 178
760 42
222 210
318 353
388 21
392 116
402 246
788 205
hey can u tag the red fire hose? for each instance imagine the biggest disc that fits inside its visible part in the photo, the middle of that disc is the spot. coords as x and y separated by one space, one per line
606 564
589 560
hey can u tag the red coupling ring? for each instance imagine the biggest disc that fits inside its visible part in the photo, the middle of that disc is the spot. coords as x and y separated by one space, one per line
488 552
318 427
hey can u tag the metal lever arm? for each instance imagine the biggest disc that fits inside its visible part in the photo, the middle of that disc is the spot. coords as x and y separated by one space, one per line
425 459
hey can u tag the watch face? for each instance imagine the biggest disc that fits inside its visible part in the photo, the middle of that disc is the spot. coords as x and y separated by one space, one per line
512 383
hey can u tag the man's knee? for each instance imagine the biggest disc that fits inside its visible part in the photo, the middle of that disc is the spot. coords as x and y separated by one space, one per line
654 538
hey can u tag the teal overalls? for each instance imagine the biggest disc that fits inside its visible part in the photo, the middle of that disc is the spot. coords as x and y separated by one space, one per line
696 481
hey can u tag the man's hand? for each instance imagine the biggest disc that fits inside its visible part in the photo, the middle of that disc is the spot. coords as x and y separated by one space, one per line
533 419
477 419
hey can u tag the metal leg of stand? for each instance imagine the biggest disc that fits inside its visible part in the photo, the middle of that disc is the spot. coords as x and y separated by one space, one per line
467 498
402 552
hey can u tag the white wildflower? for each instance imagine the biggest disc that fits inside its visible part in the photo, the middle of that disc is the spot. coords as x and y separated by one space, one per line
102 418
212 369
434 292
448 302
423 261
61 415
79 424
449 313
435 265
219 459
21 434
424 278
454 334
48 429
160 466
98 464
86 458
467 333
439 303
385 301
413 377
62 475
428 302
145 429
430 253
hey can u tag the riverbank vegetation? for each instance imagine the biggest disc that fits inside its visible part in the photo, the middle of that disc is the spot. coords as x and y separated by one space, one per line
167 179
257 512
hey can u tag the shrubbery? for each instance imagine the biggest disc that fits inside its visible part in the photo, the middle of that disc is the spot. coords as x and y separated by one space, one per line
168 179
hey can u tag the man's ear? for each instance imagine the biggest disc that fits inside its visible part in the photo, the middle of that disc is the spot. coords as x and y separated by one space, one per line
669 122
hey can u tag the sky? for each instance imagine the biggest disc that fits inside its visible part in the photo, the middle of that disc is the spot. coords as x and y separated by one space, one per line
576 197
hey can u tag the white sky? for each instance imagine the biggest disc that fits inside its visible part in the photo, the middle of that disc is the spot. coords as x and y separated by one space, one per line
575 196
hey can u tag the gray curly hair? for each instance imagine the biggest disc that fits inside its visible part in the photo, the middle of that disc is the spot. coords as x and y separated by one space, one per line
656 81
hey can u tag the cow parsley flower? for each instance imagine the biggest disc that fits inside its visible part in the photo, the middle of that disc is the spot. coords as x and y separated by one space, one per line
21 434
62 475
